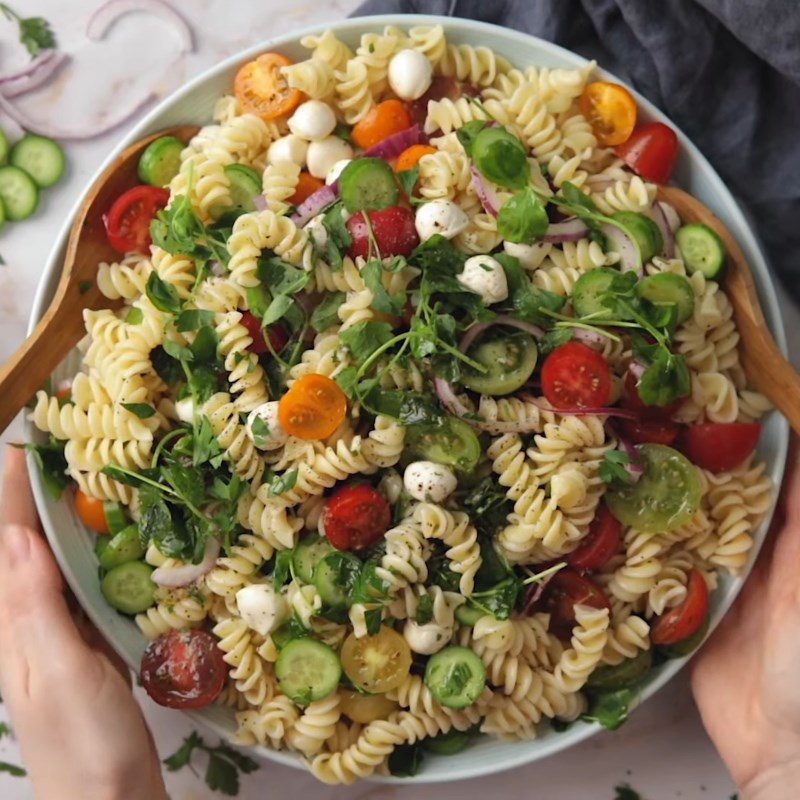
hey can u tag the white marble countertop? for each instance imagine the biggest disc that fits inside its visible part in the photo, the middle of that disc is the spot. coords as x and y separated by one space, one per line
662 752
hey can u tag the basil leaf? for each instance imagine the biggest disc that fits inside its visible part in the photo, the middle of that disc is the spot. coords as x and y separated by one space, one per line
666 379
283 563
467 134
52 463
407 179
338 236
166 366
162 295
522 218
525 299
501 157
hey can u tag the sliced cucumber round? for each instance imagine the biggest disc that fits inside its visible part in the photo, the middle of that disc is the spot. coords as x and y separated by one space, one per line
334 577
18 192
128 587
40 157
121 548
667 287
307 670
588 290
702 249
455 676
161 161
308 554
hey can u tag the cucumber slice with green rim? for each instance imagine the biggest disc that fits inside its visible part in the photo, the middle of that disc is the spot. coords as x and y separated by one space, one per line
308 554
455 676
450 743
367 184
452 442
667 287
509 358
40 157
626 673
245 184
18 192
644 230
468 615
115 517
687 645
334 577
2 213
161 161
3 146
128 587
588 290
307 670
702 249
121 548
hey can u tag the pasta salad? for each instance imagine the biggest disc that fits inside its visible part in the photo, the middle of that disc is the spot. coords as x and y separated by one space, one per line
415 415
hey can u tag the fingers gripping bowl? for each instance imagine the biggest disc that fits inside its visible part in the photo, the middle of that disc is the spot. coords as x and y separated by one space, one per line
682 565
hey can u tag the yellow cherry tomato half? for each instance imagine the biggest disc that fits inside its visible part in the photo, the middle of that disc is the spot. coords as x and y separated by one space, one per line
313 408
261 89
366 708
91 512
610 110
376 663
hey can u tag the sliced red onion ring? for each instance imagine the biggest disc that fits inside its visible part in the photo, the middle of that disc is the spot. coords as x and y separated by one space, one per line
624 246
260 202
668 237
570 230
592 338
105 15
52 131
393 145
313 204
486 193
535 591
474 331
445 393
38 72
582 411
29 68
185 574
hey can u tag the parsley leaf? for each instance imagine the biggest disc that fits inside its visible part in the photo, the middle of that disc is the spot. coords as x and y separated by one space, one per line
183 755
364 338
167 367
526 301
407 179
338 236
500 600
283 565
553 338
467 134
666 378
141 410
260 430
327 312
283 483
613 466
35 33
163 295
372 273
190 319
424 610
52 463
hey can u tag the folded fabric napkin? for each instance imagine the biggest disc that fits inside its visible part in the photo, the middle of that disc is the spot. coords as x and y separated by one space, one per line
726 71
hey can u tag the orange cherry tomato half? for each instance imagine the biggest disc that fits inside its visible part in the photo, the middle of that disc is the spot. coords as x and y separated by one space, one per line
313 408
183 669
261 89
411 155
611 111
384 119
682 621
91 512
128 220
307 184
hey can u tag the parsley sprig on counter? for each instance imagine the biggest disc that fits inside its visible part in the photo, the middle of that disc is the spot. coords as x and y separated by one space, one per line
35 33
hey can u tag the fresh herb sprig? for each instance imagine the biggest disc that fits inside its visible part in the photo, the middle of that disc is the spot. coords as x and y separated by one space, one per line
35 33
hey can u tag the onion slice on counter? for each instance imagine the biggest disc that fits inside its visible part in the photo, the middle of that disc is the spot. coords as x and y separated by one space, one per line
570 230
393 145
36 74
105 15
313 204
486 193
628 260
474 331
667 236
183 575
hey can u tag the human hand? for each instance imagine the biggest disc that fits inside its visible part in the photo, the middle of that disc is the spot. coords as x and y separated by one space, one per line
81 733
745 678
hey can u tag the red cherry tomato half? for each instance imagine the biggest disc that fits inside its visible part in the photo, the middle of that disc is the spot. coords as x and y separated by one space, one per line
566 589
394 229
650 151
575 375
634 402
277 334
719 446
441 87
183 669
600 543
355 516
682 621
128 220
650 429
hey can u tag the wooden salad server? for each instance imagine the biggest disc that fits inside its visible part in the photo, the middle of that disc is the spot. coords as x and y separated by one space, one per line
766 368
61 326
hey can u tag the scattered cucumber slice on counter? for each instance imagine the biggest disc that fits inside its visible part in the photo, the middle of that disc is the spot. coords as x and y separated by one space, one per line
161 161
40 157
18 192
455 676
701 248
122 547
307 670
667 287
3 146
128 588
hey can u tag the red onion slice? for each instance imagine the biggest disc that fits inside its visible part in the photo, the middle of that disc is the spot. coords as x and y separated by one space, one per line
37 73
447 396
29 68
313 204
474 331
486 193
634 467
393 145
667 235
583 411
185 574
105 15
591 338
570 230
628 259
260 202
52 131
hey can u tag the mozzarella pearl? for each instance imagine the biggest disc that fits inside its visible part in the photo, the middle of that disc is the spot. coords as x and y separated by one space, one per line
261 607
426 480
440 216
391 486
426 639
312 120
336 170
322 155
485 276
268 414
410 74
184 409
530 255
288 148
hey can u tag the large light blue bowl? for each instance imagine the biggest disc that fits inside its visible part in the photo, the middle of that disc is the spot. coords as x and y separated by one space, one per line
193 104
